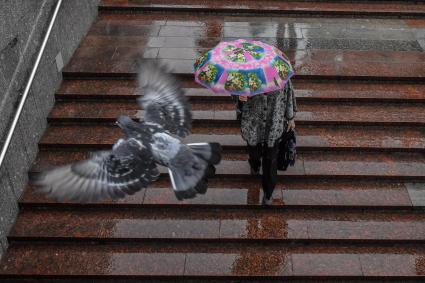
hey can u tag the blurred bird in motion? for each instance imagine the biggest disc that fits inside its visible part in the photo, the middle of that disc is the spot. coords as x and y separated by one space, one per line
132 163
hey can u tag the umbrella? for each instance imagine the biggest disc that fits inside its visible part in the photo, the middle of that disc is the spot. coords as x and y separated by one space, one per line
243 67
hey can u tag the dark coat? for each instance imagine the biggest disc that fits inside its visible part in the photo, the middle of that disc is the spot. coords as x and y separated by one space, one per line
264 117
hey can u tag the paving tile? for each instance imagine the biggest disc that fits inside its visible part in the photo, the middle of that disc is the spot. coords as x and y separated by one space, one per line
349 33
310 197
355 167
130 53
365 229
180 53
372 197
209 31
243 264
357 197
258 31
366 56
109 225
323 137
326 264
124 29
214 196
90 52
333 192
392 265
86 262
272 226
183 42
416 193
361 44
91 87
113 41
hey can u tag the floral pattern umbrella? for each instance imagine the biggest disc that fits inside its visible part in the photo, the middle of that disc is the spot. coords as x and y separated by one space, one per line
243 67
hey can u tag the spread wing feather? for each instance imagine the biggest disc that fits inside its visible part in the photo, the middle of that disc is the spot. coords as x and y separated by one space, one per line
163 99
126 169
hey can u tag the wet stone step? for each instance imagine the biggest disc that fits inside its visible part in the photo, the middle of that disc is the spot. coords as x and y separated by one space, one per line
312 164
289 192
317 8
120 60
186 36
315 137
195 260
187 47
304 91
337 113
309 64
231 224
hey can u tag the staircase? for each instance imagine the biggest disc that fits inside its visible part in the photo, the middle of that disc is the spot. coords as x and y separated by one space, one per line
351 210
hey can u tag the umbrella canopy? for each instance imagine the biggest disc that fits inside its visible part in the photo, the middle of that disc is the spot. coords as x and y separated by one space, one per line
243 67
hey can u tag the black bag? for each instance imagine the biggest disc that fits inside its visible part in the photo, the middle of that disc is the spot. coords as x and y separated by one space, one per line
287 150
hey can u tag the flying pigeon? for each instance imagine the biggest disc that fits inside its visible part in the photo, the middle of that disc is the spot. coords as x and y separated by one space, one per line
132 164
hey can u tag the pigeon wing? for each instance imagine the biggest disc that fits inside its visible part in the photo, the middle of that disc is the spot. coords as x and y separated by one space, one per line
163 100
126 169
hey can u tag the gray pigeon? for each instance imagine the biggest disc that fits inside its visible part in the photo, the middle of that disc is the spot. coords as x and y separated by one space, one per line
132 163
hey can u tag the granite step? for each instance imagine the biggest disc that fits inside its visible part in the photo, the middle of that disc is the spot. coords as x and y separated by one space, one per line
186 36
311 8
156 224
212 261
308 64
305 91
316 193
368 138
309 165
223 113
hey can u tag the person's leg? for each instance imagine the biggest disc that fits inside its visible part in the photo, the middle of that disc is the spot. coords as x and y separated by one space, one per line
255 153
269 178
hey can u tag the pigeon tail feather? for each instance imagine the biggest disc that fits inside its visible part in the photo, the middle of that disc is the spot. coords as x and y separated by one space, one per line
190 178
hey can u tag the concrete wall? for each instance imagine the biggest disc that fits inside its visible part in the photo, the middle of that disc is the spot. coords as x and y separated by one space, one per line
23 24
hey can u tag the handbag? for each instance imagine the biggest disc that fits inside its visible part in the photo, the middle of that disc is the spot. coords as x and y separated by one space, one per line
287 151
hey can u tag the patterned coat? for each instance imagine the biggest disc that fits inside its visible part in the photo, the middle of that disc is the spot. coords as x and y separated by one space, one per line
265 117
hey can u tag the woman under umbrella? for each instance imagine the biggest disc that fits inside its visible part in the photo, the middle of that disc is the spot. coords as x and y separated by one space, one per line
258 76
264 118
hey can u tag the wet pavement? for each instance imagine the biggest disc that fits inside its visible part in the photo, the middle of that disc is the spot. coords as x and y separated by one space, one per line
352 206
359 48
